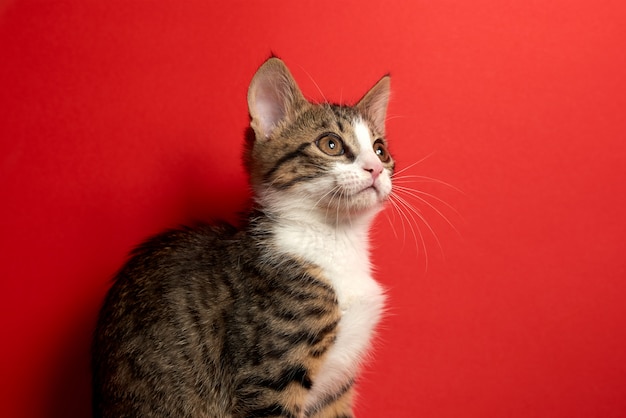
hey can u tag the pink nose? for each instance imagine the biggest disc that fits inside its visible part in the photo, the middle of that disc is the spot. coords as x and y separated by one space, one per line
374 170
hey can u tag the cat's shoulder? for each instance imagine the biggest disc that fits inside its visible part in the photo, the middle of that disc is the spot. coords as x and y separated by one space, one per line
185 241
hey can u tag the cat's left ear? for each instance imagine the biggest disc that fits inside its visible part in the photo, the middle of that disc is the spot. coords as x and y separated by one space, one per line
374 104
273 97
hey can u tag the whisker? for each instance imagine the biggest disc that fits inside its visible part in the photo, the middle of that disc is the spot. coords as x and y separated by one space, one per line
344 196
338 208
402 219
411 208
389 117
406 213
416 193
414 164
315 84
393 229
334 190
323 196
408 178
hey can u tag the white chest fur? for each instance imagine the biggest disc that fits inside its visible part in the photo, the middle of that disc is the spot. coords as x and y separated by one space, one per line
342 253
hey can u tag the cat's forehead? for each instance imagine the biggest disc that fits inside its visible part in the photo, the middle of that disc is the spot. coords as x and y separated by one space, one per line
335 116
342 120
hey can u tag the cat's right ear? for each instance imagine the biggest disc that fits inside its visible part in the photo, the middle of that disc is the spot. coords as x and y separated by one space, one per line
273 97
374 103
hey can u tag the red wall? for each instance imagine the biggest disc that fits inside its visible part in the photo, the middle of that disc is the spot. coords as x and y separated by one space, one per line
120 118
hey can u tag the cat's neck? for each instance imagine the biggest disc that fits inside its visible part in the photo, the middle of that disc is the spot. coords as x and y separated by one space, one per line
339 247
291 213
325 238
314 235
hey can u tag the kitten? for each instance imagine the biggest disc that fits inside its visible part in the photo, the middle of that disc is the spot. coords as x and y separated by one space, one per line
273 319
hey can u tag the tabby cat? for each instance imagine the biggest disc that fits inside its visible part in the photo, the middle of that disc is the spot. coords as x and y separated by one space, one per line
272 319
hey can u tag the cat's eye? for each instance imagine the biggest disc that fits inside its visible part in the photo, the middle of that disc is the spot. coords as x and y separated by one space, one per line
381 151
330 144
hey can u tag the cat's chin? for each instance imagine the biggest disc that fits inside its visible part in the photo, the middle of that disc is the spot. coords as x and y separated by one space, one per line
371 196
365 203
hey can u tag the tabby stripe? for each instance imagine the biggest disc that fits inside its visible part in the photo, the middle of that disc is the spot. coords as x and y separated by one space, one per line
316 311
276 353
286 158
295 289
339 112
308 296
320 351
310 337
295 374
307 280
274 410
283 341
303 313
330 398
295 180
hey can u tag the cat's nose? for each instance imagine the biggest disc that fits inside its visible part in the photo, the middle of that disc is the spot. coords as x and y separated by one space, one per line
374 170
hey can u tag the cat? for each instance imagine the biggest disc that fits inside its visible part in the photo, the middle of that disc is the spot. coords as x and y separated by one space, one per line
272 319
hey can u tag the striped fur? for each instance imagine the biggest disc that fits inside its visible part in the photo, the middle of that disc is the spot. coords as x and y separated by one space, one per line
273 319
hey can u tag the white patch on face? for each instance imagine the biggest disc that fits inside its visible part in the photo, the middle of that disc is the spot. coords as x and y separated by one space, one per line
366 180
362 133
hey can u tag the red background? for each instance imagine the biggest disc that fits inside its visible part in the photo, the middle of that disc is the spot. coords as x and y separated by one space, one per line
119 118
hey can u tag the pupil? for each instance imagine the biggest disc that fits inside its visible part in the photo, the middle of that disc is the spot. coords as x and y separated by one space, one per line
331 144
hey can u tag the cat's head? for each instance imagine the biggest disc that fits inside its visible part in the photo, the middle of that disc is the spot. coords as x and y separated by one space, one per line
318 159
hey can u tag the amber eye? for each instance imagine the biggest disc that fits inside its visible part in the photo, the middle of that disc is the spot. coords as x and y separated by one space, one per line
381 150
330 144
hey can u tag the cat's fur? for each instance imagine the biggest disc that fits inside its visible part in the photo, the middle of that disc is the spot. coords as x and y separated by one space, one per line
272 319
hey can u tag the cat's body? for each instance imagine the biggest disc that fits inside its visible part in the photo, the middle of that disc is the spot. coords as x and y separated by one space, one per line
272 319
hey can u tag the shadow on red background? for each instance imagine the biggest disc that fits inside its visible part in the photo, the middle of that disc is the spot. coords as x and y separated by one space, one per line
70 386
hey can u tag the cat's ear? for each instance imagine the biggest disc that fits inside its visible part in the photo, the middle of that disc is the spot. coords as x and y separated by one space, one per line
273 97
374 104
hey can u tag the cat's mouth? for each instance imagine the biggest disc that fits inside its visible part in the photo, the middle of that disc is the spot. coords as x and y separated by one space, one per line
376 190
360 201
362 193
372 188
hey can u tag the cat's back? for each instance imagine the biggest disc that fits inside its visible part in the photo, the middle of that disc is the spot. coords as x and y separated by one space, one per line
166 312
175 269
188 261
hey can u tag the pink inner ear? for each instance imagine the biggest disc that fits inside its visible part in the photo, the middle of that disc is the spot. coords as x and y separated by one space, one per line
378 111
273 94
269 112
374 104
